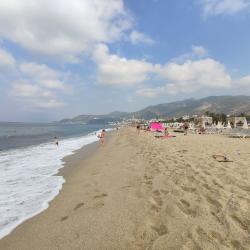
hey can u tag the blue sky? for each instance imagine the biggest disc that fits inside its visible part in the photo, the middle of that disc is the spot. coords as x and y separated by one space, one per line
61 58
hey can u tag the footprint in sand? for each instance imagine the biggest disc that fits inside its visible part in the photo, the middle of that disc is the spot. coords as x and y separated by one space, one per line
146 177
156 193
98 204
186 203
165 192
150 183
79 205
214 203
64 218
157 197
148 180
200 235
188 189
160 229
244 187
126 187
216 236
236 245
217 184
185 207
206 172
156 201
205 185
243 223
100 196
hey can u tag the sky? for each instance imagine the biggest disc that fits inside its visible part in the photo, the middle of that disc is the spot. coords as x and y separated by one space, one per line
62 58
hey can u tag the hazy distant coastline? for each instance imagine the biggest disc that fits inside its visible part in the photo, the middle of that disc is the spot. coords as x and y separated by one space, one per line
231 105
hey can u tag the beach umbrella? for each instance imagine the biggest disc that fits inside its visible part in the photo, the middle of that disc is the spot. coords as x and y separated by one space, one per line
219 125
203 124
229 125
245 126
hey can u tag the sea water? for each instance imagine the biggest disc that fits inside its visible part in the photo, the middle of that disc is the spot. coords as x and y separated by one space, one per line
29 162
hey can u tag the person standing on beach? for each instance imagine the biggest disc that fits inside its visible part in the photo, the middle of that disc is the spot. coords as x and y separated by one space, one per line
101 136
166 132
138 127
185 128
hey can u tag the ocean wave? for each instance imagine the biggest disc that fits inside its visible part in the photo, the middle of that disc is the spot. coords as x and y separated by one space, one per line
28 181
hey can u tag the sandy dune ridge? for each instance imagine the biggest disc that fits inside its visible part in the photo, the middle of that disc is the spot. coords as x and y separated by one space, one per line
138 192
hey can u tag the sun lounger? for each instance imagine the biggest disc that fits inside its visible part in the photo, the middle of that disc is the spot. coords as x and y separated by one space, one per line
158 134
239 136
179 130
168 136
163 136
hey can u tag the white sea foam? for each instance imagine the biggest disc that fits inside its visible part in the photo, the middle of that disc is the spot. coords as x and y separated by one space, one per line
28 181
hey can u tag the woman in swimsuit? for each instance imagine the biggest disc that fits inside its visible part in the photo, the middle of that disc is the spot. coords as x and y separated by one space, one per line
102 136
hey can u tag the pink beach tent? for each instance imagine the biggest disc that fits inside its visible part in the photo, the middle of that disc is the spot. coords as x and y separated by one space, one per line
156 126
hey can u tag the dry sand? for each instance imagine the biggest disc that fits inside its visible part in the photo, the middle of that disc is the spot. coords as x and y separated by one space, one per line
138 192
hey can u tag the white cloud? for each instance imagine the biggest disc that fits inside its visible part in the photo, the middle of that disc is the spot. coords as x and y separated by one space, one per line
61 27
149 92
193 72
138 37
49 104
205 72
44 75
244 81
7 61
199 51
188 77
28 90
38 86
34 96
196 53
120 71
40 71
172 78
229 7
33 85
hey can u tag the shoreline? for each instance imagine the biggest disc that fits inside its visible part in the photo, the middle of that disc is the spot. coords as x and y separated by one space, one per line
68 162
79 156
138 192
73 160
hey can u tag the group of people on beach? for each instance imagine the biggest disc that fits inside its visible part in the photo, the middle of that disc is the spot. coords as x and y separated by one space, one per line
185 128
101 137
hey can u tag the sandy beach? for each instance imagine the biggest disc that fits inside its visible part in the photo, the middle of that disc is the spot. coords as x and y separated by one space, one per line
138 192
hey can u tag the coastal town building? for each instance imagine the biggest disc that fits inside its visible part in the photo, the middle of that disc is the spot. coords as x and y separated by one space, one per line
185 117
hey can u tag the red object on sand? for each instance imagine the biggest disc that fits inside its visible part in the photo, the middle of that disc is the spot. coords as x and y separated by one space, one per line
156 126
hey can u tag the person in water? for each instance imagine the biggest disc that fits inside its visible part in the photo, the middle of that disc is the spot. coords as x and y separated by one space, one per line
56 141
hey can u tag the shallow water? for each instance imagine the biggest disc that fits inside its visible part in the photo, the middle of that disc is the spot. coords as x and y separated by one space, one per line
29 161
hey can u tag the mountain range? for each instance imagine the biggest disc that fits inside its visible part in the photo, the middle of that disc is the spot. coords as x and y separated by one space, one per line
231 105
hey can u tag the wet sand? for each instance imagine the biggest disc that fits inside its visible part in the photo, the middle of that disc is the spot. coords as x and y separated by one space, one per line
138 192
